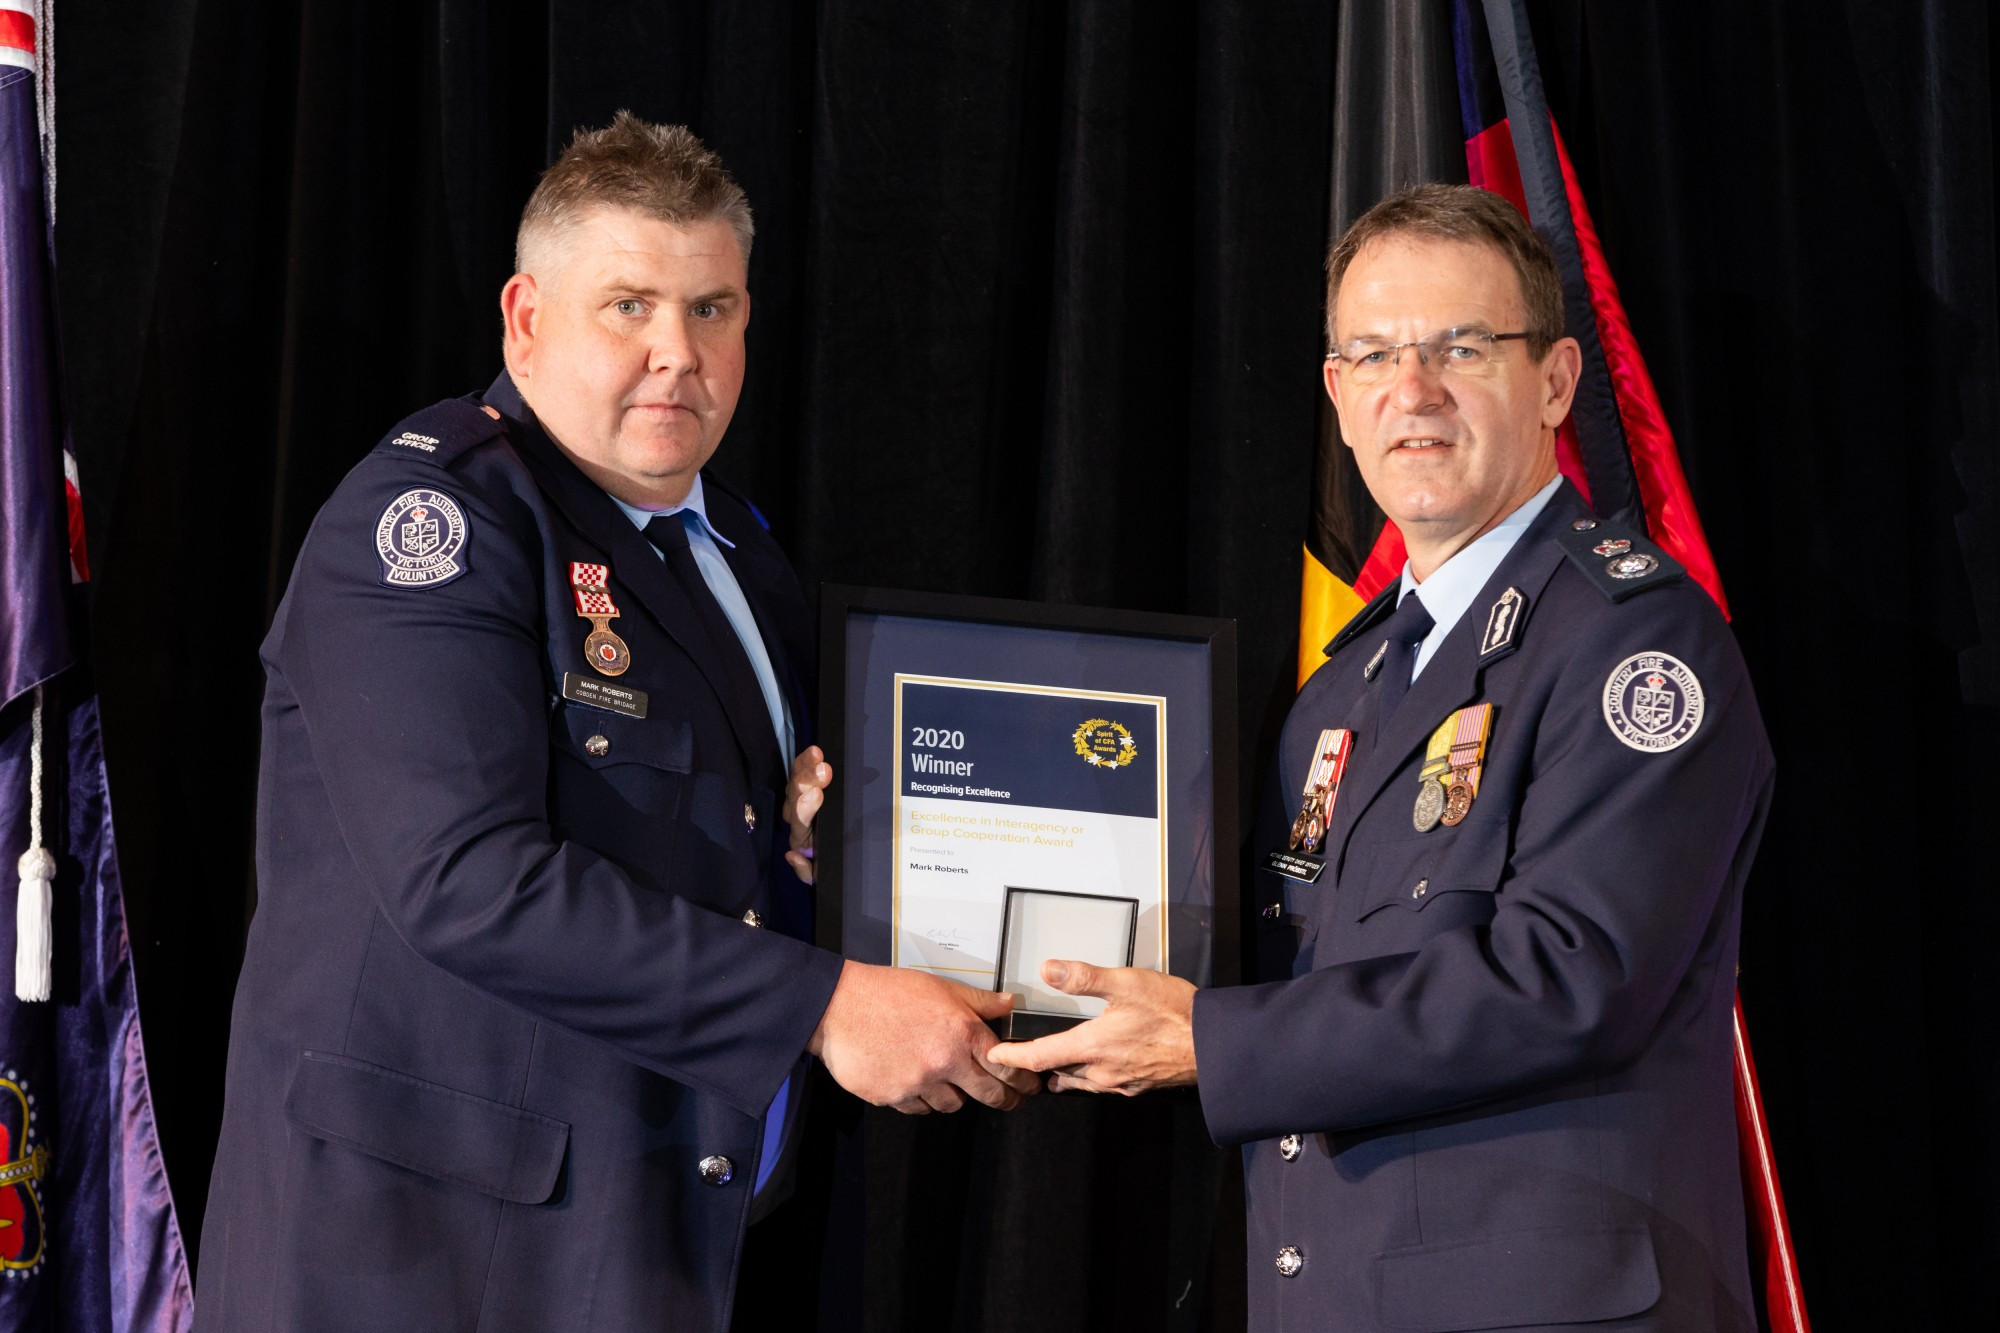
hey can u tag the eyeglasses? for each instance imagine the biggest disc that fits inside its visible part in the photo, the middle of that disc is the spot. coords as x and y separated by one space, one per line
1466 352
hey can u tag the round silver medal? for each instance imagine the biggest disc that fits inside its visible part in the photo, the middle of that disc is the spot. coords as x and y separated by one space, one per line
1430 805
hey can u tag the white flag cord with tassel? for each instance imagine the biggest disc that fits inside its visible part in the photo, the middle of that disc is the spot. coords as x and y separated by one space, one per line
34 911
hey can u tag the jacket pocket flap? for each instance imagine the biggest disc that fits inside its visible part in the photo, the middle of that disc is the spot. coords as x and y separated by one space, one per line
1414 872
599 738
496 1149
1523 1277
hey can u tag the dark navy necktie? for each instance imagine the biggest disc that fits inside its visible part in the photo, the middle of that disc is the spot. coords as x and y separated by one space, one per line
1405 631
668 533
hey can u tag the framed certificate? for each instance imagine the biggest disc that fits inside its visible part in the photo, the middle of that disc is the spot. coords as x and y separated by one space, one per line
1085 757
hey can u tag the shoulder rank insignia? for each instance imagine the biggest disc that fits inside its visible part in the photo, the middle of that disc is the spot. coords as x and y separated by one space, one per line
420 539
1617 559
443 431
1653 702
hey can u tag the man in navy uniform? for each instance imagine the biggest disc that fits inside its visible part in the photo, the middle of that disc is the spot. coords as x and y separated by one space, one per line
1485 1081
522 1021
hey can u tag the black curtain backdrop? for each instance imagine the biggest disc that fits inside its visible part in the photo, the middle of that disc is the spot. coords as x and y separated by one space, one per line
1037 310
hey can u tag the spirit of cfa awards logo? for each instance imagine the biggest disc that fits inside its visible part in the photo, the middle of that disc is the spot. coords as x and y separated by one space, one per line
1105 744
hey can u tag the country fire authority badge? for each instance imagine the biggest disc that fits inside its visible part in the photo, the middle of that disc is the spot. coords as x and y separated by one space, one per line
1653 702
421 538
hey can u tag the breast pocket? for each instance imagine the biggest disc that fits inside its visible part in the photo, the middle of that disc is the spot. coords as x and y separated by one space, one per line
620 784
599 739
1448 872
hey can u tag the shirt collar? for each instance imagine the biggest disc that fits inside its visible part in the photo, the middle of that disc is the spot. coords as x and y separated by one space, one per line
505 396
641 517
1449 591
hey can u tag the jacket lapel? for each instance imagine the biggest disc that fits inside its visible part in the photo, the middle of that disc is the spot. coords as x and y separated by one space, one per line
636 565
765 582
1452 678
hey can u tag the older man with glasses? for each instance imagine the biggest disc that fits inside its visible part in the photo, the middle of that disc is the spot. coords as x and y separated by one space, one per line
1484 1080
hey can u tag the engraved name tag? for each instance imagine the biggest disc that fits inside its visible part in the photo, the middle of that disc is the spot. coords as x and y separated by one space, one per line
603 694
1291 865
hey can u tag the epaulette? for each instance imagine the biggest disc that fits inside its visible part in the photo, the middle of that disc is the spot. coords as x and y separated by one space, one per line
712 479
1367 615
1617 559
443 431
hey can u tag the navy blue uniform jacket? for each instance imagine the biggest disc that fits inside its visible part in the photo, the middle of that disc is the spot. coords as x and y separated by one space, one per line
499 998
1502 1050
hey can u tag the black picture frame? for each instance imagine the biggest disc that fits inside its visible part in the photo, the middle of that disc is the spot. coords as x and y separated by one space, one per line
1215 840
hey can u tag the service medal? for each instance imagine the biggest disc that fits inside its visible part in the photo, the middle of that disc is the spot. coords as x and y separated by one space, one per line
1302 825
1468 753
1436 769
1329 762
602 648
1430 805
1457 801
606 651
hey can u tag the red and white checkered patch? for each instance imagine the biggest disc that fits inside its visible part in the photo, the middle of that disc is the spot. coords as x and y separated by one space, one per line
589 603
591 578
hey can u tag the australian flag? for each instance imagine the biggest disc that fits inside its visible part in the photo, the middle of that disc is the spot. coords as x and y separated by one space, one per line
88 1239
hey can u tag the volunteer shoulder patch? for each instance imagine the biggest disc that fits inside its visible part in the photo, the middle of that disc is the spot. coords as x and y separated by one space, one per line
1653 702
421 540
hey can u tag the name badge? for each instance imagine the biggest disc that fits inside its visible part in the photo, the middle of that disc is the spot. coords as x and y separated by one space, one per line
1304 869
603 694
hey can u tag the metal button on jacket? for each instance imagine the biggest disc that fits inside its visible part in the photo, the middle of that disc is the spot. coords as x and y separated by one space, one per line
749 818
717 1170
750 918
597 746
1290 1146
1423 887
1290 1261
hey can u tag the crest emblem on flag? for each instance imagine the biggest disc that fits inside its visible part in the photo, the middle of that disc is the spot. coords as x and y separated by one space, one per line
24 1162
1653 702
420 538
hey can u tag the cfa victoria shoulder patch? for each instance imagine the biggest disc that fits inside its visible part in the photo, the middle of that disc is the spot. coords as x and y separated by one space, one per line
421 540
1653 702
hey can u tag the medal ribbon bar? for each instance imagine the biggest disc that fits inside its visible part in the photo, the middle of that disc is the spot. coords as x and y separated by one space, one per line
592 597
1468 746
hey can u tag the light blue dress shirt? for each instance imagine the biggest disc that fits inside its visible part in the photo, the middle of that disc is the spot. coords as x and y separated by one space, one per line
1449 591
721 580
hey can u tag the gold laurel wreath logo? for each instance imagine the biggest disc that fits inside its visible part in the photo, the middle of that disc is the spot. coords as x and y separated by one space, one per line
1105 744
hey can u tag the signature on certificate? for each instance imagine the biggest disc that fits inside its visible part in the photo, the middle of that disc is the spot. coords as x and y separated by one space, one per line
948 937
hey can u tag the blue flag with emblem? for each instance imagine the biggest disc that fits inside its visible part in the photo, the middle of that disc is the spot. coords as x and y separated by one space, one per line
88 1239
